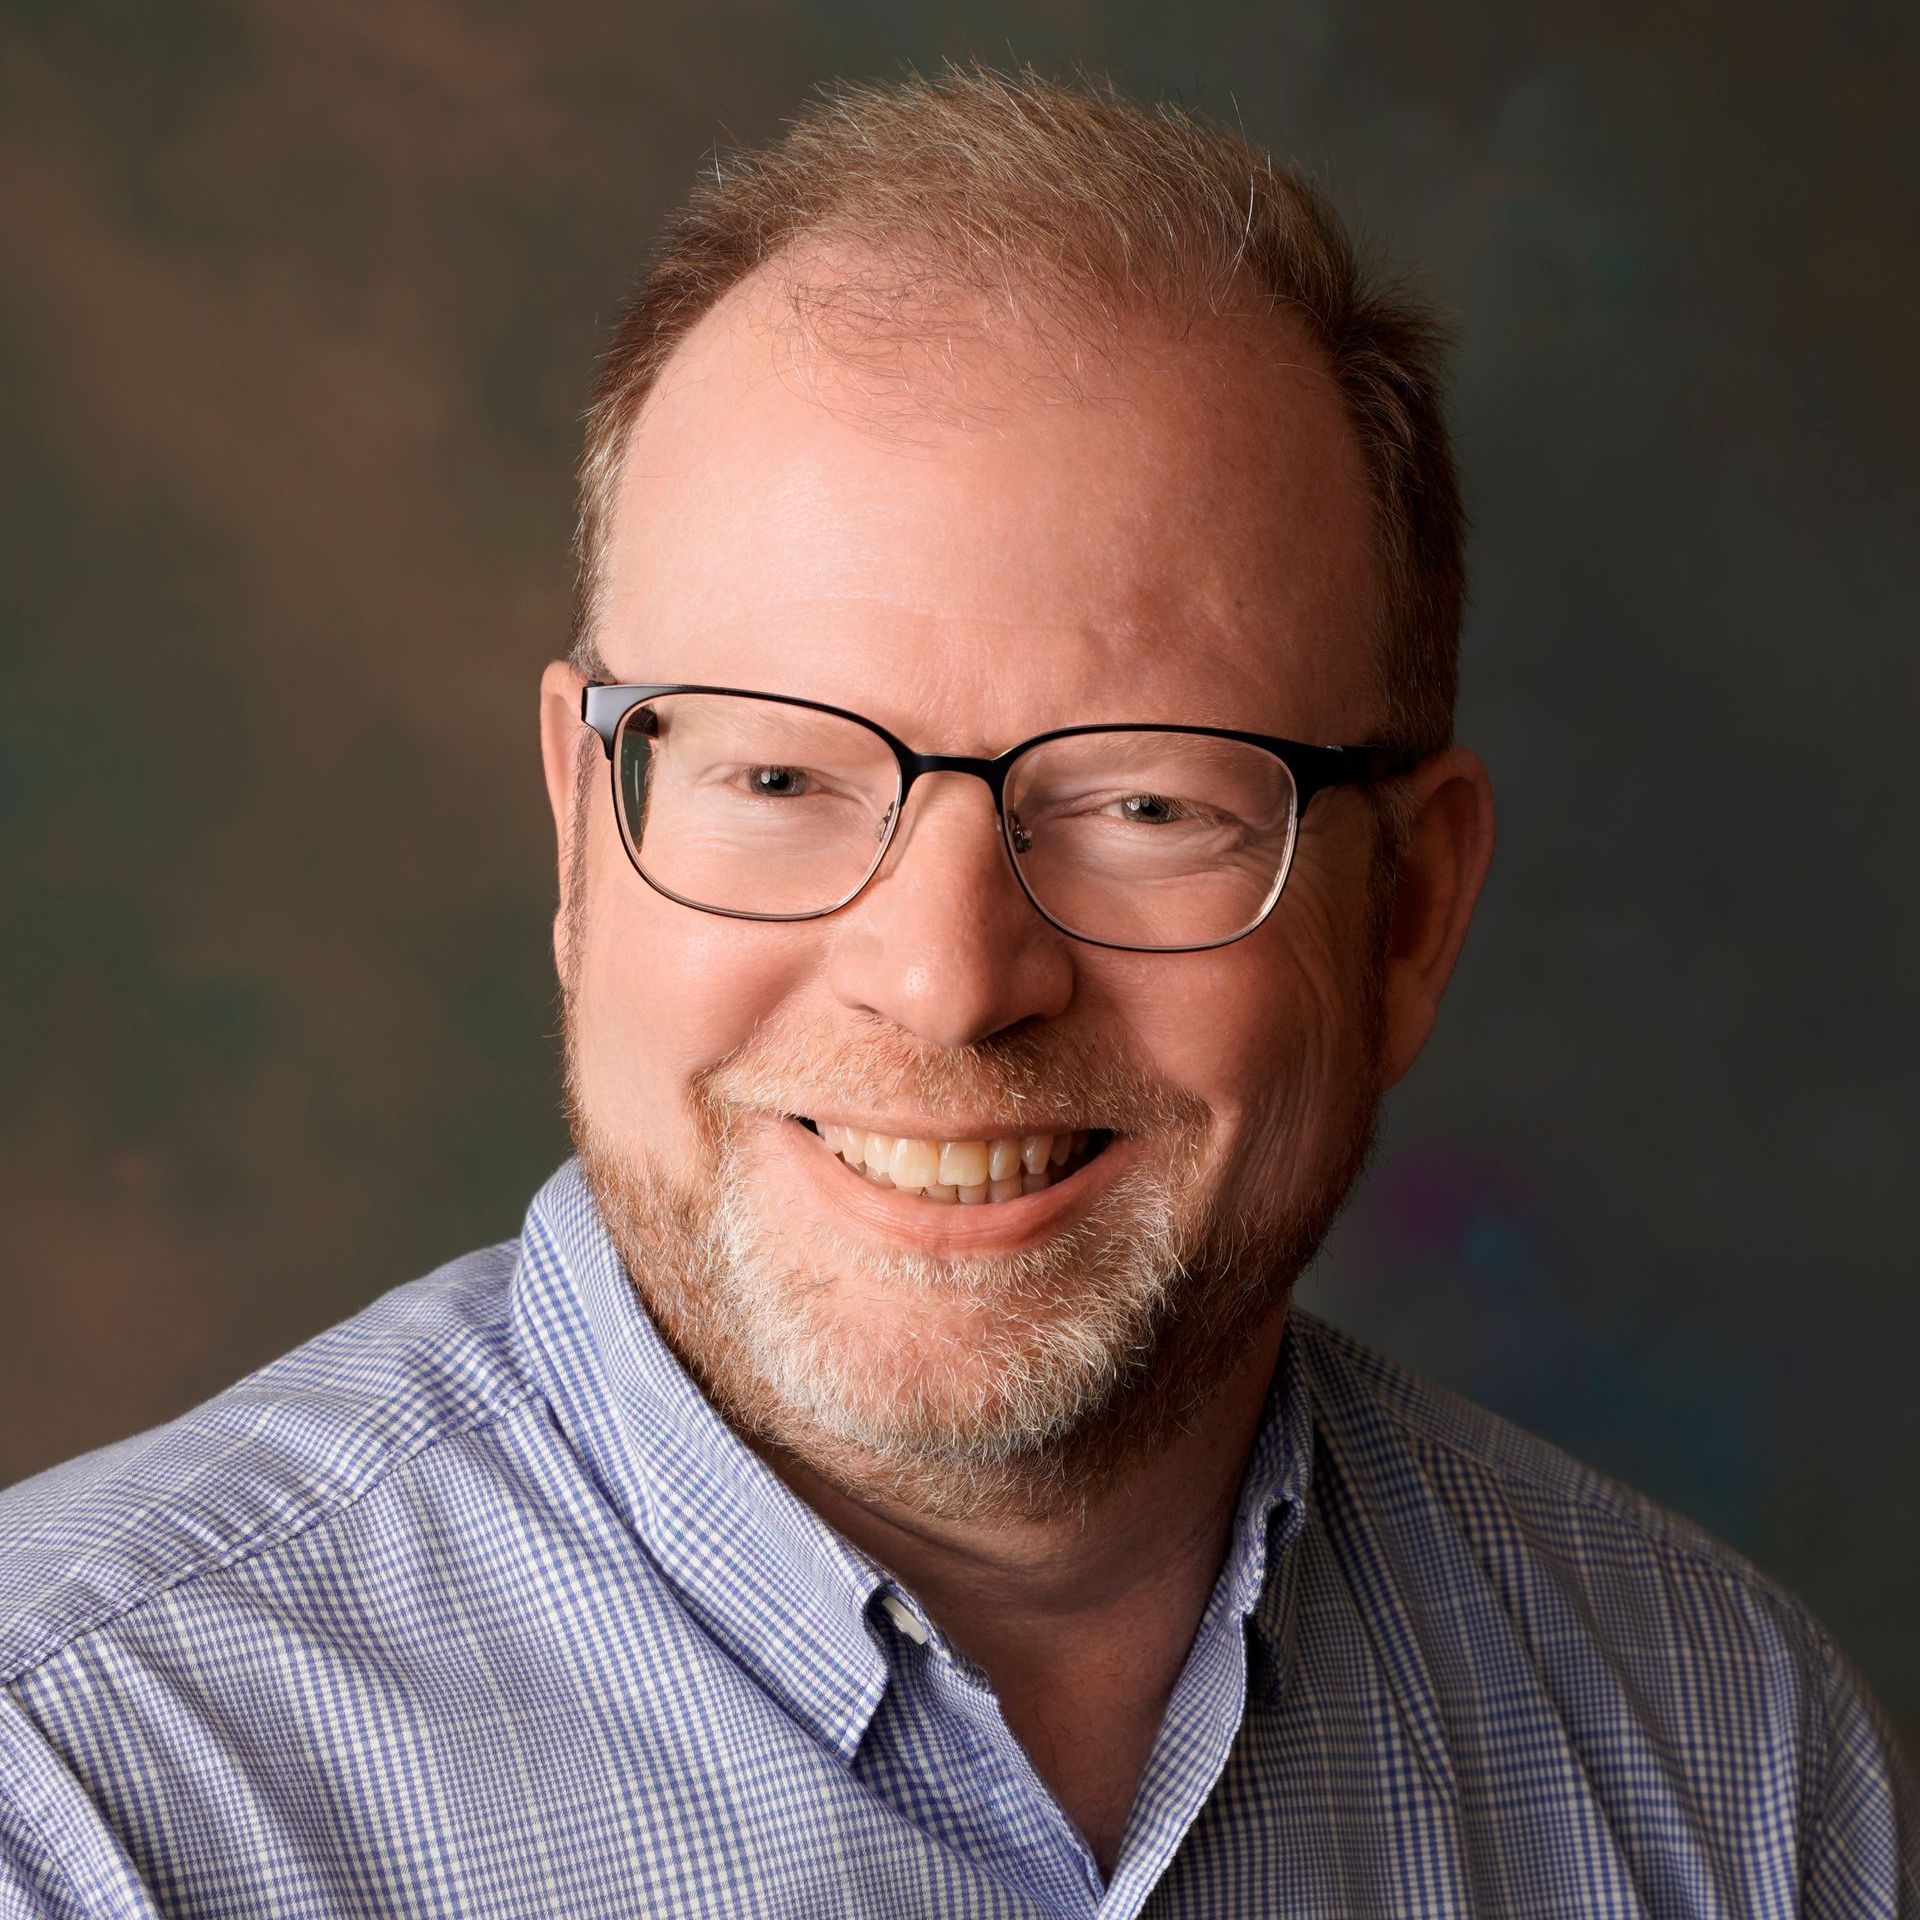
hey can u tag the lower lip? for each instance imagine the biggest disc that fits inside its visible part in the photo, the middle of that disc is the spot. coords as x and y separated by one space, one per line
938 1226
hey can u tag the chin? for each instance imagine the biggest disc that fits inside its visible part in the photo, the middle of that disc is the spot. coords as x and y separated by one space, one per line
965 1385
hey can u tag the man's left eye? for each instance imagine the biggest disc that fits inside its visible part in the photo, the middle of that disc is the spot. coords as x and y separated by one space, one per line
776 783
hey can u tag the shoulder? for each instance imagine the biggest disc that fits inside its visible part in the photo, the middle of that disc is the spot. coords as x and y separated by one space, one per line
1547 1605
270 1457
1501 1490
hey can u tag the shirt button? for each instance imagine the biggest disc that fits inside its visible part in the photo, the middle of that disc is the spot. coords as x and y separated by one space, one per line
902 1617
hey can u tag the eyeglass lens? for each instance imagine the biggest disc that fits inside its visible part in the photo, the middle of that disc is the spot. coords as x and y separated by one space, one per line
1138 839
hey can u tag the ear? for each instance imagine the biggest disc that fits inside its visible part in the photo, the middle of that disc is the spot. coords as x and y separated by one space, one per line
1442 868
561 729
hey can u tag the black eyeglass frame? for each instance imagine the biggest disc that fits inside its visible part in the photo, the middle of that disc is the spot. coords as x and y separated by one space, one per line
605 704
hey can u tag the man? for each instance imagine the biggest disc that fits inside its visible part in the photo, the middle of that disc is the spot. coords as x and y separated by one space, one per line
1009 842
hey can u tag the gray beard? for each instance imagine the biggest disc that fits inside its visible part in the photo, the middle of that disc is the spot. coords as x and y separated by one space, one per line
1017 1385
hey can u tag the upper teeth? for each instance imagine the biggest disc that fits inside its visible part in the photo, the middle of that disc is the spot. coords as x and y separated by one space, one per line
970 1171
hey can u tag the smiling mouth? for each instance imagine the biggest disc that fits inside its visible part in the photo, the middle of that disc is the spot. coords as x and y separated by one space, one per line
961 1172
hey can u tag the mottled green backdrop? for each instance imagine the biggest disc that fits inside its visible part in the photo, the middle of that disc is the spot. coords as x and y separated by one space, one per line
299 306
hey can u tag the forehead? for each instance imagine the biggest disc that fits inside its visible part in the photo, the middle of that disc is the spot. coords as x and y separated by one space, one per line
975 537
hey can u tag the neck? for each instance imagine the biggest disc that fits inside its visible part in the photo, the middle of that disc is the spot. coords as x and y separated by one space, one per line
1081 1620
1167 1504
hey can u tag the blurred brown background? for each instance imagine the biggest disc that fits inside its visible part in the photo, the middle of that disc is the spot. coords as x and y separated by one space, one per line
298 314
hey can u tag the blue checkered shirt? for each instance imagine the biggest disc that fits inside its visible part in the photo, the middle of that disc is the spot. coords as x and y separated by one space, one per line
473 1606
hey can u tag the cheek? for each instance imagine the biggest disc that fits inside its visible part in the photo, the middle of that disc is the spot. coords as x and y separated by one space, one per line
1267 1031
664 992
1232 1030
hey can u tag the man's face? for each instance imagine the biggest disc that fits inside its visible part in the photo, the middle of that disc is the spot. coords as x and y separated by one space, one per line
1191 548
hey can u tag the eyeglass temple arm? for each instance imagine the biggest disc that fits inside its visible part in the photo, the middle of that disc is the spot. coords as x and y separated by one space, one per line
1316 768
601 706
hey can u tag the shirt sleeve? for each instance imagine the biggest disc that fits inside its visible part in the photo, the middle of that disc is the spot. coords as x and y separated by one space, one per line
58 1860
1863 1842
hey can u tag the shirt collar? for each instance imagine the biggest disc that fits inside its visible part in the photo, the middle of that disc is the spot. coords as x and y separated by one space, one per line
1260 1577
779 1588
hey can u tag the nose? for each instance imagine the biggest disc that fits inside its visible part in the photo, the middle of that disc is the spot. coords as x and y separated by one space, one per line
943 943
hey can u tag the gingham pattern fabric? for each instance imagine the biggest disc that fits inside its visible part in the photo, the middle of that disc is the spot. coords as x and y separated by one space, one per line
472 1606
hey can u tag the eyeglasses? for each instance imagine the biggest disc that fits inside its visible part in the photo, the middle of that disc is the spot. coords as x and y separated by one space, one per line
761 806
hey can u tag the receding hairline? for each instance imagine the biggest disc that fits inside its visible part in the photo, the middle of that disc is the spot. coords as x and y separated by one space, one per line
840 302
890 363
1072 207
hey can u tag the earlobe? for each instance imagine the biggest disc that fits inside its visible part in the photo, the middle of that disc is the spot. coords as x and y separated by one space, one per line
1443 866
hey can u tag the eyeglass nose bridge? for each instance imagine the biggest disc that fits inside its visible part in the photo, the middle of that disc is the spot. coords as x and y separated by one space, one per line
993 772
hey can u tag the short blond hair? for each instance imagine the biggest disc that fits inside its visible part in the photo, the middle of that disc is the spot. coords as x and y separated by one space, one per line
1070 200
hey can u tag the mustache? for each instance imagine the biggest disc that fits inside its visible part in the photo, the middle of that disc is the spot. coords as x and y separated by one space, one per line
1025 1075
